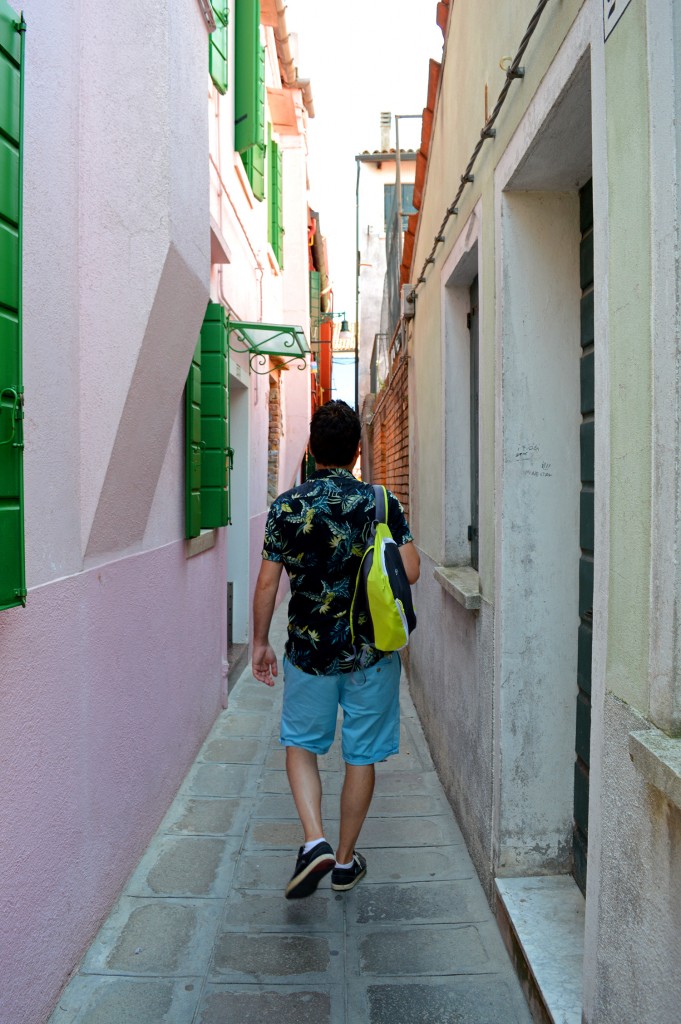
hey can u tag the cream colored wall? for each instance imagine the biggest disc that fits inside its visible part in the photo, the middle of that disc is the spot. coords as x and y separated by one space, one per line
629 368
461 103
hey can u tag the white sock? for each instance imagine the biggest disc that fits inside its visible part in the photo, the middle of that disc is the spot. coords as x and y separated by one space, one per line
345 866
313 842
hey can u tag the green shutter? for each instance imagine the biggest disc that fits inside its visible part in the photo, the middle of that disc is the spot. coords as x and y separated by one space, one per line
193 447
218 46
249 77
254 163
315 307
275 220
214 422
12 561
249 93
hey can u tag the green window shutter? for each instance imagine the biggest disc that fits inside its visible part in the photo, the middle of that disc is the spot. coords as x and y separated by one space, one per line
193 447
315 307
218 46
12 561
275 221
249 93
249 83
214 418
254 163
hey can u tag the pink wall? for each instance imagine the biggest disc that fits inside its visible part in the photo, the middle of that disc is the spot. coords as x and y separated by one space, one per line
111 680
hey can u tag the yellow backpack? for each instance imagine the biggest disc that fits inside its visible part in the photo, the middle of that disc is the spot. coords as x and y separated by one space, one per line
382 606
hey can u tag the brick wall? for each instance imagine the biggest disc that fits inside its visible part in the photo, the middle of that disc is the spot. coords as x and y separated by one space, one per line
390 433
274 438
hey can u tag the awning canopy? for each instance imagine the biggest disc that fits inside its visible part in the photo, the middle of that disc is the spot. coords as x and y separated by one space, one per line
285 341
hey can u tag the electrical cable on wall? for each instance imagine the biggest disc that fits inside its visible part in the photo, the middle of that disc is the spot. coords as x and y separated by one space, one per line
488 132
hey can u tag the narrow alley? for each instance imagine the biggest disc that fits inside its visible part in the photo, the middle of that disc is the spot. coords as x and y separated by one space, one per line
202 933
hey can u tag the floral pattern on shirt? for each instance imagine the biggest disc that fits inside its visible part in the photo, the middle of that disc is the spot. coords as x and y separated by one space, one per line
319 531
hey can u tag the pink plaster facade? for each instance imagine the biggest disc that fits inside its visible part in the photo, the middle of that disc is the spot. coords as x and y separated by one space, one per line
111 679
113 674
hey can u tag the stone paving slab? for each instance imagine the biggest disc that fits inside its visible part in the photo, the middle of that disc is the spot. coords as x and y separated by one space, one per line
397 783
421 950
221 780
202 933
156 937
451 902
481 999
418 864
394 832
186 866
97 1000
415 805
268 911
272 958
277 782
230 750
235 1004
276 759
244 723
217 816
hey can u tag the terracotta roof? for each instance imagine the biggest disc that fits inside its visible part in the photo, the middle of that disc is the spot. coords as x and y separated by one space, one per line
442 16
384 152
434 71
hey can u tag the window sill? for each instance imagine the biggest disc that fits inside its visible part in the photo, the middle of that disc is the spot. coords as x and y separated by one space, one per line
197 545
462 582
658 759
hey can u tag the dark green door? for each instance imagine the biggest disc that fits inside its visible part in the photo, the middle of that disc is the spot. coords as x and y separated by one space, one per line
586 540
474 335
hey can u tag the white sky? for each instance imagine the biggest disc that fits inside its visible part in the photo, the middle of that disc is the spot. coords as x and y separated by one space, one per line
362 57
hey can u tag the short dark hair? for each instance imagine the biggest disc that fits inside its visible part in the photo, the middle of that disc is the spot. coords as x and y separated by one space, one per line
335 431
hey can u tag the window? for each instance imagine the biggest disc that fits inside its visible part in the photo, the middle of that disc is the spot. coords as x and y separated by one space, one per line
460 372
12 562
249 93
218 46
208 455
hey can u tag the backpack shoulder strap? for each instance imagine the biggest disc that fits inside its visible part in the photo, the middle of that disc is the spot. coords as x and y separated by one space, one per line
381 503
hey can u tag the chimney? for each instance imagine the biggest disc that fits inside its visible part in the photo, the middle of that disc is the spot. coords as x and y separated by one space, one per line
386 122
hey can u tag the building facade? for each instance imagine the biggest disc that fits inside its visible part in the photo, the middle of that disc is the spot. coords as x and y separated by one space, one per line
544 484
145 225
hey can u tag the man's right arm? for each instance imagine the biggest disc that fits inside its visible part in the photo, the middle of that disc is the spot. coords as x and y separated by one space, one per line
264 662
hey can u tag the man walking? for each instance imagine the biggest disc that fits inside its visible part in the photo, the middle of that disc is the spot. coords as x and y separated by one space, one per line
317 532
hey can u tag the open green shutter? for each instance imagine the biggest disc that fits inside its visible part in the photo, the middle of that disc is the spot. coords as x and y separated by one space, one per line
249 93
214 423
249 125
218 46
275 221
193 447
12 561
315 307
254 163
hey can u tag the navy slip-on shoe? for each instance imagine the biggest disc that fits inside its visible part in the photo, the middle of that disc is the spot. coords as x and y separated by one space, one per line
346 878
310 869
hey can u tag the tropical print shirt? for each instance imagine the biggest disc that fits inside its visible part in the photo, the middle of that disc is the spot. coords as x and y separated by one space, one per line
319 531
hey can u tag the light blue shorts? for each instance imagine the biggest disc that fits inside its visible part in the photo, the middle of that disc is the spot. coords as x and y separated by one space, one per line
370 699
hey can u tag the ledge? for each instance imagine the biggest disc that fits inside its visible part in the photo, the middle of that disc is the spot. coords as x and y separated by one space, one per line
197 545
658 759
462 582
541 920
